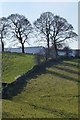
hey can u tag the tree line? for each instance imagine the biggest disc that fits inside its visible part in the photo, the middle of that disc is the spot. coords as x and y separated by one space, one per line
51 28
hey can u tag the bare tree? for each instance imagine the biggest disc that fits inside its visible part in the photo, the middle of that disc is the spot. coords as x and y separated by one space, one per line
55 29
3 30
61 31
43 26
20 28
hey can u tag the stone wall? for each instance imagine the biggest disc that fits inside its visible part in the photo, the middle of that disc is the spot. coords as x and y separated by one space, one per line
16 86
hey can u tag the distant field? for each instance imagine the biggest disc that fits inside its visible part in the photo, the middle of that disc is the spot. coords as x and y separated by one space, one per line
52 94
15 64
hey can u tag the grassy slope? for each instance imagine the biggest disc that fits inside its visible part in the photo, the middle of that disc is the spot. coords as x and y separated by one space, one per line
52 94
15 64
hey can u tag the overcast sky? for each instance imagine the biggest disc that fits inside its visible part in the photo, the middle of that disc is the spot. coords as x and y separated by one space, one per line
32 10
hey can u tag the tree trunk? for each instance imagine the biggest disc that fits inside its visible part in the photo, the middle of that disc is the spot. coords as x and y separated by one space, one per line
56 51
23 48
2 46
48 42
2 43
48 52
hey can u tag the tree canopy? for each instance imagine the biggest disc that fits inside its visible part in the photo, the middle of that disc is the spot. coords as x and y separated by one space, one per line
20 28
4 26
43 25
55 29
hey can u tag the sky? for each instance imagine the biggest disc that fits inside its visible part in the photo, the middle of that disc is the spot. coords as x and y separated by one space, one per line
32 11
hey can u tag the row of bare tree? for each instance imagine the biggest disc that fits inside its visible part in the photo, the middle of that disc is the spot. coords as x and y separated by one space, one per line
52 28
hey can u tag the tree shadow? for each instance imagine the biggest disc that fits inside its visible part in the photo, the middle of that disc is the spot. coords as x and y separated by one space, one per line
67 70
18 86
71 64
62 75
53 62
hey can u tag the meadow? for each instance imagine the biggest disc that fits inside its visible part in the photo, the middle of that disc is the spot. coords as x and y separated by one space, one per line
14 65
51 94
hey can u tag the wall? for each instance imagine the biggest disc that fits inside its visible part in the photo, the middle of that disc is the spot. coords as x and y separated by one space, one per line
16 87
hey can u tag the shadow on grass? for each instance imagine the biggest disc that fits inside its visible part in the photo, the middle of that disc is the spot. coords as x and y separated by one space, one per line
62 75
67 70
71 64
53 63
17 86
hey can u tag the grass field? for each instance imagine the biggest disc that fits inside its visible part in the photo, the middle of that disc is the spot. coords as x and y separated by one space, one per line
15 64
51 94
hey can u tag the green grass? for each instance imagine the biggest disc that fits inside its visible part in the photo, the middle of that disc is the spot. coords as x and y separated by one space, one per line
14 65
51 94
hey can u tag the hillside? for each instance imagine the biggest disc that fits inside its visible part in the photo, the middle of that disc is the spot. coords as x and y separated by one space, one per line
50 94
14 65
